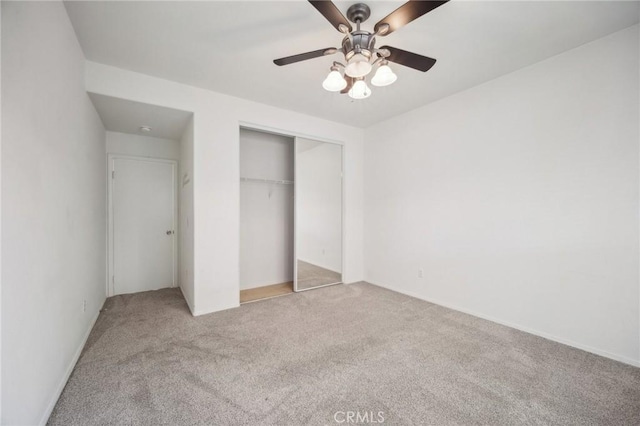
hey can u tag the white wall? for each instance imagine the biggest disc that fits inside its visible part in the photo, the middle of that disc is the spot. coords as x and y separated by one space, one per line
185 216
519 199
266 210
54 204
0 226
319 204
142 146
266 155
216 172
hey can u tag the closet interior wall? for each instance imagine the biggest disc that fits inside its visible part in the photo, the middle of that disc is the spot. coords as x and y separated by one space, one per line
266 209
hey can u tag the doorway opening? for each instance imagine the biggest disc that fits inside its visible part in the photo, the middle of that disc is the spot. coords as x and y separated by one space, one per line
291 214
266 215
150 200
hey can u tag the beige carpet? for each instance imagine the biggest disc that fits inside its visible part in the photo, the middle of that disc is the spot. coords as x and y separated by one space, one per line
300 359
311 276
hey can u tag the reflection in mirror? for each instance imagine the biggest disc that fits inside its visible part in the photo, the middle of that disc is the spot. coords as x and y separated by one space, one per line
318 214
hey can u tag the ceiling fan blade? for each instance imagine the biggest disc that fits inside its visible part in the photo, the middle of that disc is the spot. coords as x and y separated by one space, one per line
304 56
413 9
350 81
408 59
332 14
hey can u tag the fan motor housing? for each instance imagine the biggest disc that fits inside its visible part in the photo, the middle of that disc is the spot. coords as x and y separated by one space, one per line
358 42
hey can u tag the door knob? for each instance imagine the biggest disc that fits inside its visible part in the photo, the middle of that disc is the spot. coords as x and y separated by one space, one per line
169 232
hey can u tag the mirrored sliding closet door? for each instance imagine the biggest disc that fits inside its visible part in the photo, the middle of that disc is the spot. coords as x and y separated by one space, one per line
318 213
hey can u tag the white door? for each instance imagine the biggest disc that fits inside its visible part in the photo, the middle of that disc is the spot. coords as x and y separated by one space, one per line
143 210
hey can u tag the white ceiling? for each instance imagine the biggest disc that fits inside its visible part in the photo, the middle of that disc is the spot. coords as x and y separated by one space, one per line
121 115
229 47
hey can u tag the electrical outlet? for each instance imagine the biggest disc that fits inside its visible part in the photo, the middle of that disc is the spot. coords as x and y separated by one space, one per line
420 273
84 306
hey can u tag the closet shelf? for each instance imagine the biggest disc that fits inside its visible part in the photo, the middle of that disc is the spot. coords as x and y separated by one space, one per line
278 182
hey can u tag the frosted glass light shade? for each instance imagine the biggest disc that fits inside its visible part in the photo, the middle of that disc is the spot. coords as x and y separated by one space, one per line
334 82
360 90
384 76
358 66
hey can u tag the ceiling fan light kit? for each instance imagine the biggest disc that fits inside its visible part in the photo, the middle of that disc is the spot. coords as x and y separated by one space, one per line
358 47
358 66
334 82
359 90
384 75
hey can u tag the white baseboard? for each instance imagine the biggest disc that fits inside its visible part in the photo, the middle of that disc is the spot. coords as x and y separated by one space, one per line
615 357
197 313
187 300
212 311
45 417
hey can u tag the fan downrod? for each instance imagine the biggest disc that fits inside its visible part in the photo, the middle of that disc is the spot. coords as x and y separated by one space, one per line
358 13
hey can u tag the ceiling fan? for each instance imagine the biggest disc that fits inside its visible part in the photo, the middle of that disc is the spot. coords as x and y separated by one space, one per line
358 47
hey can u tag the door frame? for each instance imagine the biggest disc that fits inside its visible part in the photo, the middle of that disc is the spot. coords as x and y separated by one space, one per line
295 134
110 279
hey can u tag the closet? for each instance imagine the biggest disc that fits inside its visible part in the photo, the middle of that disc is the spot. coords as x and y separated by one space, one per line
290 214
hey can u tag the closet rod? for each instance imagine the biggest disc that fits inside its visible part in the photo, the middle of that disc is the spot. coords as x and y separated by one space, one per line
279 182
